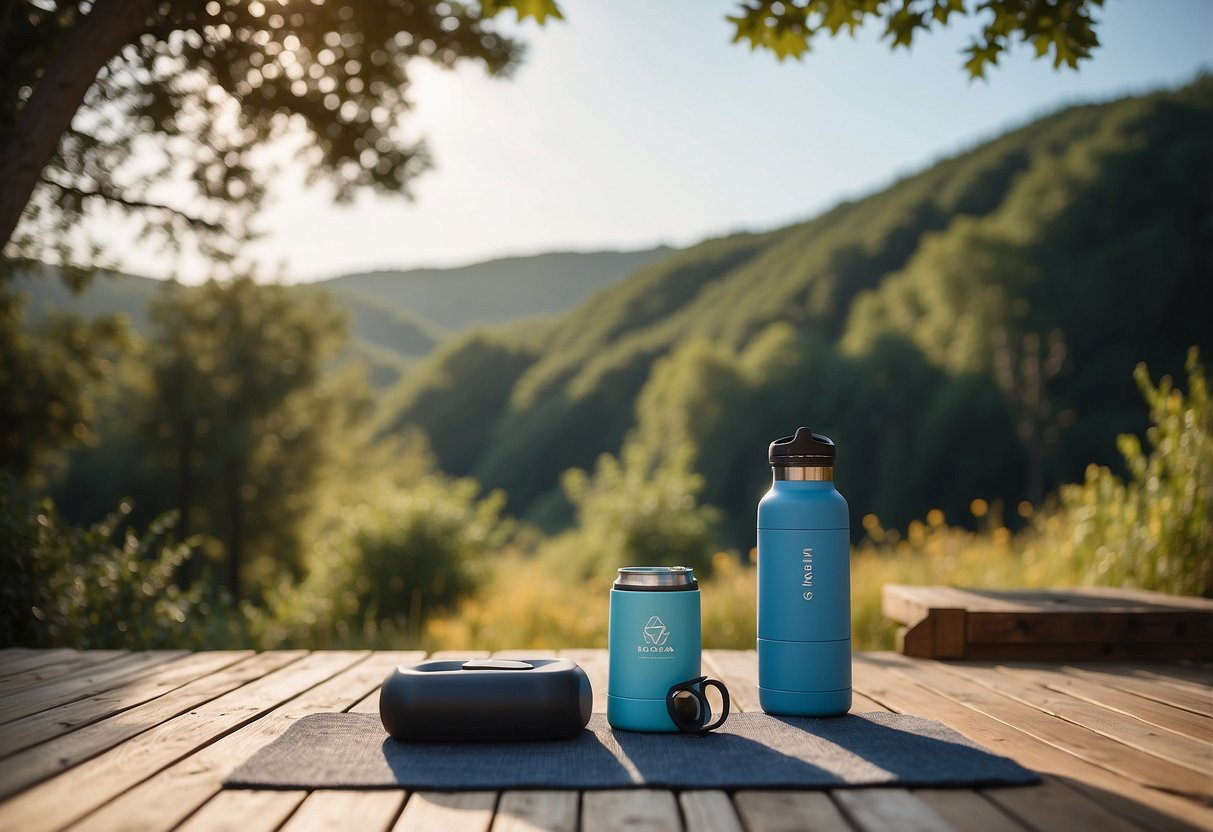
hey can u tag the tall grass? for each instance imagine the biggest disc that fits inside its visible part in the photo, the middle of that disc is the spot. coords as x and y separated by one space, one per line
528 603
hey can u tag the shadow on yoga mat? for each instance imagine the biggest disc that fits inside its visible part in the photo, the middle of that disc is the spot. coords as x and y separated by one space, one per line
333 751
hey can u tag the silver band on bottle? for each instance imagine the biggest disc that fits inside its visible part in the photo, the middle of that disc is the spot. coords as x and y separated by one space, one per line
798 473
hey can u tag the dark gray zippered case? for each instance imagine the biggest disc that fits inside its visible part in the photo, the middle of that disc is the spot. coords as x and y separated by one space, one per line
486 700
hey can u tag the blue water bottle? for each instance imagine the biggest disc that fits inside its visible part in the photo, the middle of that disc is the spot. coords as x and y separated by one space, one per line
653 644
804 583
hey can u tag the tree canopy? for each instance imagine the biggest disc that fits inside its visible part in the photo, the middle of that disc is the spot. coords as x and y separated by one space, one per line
158 109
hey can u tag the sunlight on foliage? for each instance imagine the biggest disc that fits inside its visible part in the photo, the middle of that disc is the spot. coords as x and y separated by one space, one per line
640 511
101 587
787 27
1155 530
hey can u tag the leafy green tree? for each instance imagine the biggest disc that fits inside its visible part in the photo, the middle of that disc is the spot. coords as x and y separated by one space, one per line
86 88
47 378
85 83
243 415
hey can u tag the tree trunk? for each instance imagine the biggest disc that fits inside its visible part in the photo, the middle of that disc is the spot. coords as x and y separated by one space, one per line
46 116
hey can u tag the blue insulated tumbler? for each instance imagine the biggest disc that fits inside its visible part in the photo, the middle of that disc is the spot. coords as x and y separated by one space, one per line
653 644
804 583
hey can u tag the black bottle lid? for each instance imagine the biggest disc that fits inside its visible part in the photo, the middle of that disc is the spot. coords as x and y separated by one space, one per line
804 450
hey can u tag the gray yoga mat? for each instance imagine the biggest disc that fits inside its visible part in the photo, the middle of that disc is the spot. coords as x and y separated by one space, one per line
334 751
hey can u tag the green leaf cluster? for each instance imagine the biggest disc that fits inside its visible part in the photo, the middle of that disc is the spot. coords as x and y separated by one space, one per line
1066 28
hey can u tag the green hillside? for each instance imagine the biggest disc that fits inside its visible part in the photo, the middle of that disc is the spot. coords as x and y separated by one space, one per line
387 339
969 331
106 294
395 317
497 290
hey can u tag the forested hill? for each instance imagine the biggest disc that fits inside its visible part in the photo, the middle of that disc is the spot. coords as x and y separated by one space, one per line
968 332
497 290
395 317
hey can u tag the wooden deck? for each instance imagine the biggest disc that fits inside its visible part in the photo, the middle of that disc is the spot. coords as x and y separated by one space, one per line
107 740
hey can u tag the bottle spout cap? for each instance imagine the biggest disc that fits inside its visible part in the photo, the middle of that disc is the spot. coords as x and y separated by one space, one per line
803 450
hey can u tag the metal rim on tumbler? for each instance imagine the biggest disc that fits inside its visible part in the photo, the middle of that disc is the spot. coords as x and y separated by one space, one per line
656 577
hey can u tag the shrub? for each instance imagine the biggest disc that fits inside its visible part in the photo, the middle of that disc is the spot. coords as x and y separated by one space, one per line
100 587
1156 530
389 563
638 511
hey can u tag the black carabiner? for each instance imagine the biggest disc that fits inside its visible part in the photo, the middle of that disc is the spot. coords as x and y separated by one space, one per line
689 709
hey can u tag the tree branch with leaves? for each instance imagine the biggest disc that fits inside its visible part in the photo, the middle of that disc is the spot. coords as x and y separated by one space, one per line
157 108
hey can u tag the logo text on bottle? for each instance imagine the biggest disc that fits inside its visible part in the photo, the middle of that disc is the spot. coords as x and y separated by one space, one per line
806 560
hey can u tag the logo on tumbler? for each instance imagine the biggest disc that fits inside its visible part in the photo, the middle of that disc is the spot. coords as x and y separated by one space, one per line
655 631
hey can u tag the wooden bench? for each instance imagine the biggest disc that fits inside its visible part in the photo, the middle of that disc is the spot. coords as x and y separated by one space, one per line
1049 624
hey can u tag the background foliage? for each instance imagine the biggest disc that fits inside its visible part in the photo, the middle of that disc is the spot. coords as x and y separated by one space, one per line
968 337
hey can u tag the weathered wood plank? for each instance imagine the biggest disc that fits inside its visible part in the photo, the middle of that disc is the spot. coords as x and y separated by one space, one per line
709 811
861 704
196 778
244 811
1083 651
894 810
966 809
913 686
346 809
42 761
81 790
789 812
1197 702
1053 807
1173 751
34 659
743 665
645 809
470 811
1084 740
738 669
1194 673
1149 598
73 664
1172 719
70 688
951 808
369 704
946 622
1106 628
40 727
594 662
934 619
539 811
